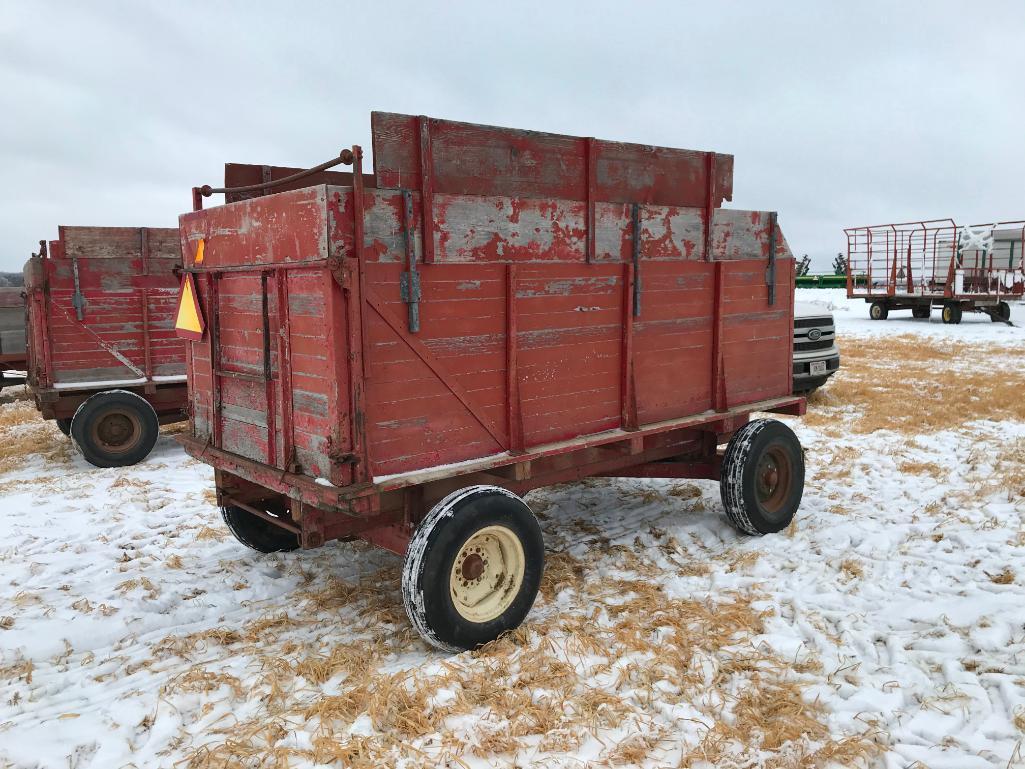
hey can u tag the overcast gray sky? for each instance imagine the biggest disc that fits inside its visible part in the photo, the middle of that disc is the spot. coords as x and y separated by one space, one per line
838 113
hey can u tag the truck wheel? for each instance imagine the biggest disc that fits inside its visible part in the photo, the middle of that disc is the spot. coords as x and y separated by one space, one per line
473 568
952 313
921 311
762 478
1001 313
878 311
115 428
256 533
64 425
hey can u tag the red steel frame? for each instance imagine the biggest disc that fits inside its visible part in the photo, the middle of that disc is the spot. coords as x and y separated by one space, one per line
385 509
923 260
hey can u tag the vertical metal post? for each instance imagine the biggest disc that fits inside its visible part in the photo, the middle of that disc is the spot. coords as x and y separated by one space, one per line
628 396
285 370
718 363
213 334
770 272
635 236
514 414
709 202
146 343
77 300
409 281
591 173
268 381
358 351
426 188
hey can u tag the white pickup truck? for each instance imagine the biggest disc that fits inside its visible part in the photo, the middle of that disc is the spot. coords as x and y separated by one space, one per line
816 357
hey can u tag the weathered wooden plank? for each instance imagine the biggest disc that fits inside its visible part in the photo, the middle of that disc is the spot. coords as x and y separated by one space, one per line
491 161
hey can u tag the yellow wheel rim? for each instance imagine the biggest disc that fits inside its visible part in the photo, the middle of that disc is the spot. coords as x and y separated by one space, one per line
487 574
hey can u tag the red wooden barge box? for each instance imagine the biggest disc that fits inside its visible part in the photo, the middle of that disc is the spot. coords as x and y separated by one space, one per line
100 307
488 306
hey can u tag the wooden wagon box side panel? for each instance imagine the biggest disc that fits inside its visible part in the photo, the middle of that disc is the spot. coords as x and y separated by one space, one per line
673 340
106 307
757 338
471 159
441 395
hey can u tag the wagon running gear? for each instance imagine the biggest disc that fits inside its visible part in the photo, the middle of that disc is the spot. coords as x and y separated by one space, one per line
473 568
115 428
256 533
762 478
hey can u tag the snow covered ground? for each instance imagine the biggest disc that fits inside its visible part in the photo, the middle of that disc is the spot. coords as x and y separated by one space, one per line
852 318
886 627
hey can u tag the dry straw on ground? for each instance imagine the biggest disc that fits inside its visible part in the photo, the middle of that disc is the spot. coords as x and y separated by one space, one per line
576 673
914 386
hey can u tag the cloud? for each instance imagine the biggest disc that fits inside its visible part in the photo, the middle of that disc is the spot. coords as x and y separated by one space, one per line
837 114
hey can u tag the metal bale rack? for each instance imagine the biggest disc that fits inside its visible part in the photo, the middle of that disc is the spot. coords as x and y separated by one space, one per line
399 356
937 263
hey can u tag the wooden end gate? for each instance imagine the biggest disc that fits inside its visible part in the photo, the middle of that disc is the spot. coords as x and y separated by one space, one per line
490 309
100 304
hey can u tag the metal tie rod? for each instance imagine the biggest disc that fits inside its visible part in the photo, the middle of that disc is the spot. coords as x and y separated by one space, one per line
344 158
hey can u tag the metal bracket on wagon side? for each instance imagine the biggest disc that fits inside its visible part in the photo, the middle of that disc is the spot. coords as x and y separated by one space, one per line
770 271
77 300
409 281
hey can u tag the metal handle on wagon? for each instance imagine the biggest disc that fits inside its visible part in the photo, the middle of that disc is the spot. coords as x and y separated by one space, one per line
344 158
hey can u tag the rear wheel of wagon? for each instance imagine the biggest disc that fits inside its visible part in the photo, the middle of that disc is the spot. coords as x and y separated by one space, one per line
473 568
64 425
952 313
115 428
762 478
878 311
921 311
259 534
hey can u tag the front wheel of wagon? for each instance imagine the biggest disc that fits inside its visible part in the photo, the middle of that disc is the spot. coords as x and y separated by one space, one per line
878 311
762 478
257 533
473 568
952 313
1001 313
115 428
64 425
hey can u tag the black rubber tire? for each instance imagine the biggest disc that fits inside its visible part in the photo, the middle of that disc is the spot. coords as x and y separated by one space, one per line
952 314
762 441
86 428
64 425
922 311
431 555
878 311
1001 313
256 533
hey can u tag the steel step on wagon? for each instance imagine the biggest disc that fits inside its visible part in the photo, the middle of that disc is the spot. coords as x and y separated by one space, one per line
399 356
104 360
920 265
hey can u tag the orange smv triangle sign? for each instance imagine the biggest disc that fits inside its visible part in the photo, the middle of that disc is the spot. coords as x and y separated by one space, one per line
188 321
